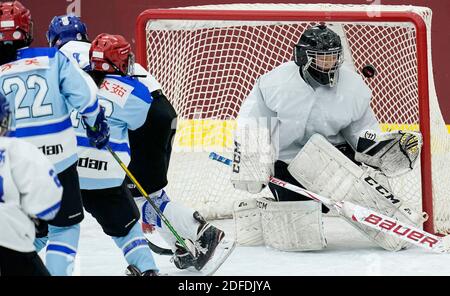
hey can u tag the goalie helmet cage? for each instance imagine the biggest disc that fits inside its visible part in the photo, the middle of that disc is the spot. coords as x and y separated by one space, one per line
207 59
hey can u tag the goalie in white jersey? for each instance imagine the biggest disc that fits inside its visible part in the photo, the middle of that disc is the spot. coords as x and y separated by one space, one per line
151 147
293 113
29 189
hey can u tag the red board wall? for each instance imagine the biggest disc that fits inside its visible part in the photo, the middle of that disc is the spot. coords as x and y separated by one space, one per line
118 16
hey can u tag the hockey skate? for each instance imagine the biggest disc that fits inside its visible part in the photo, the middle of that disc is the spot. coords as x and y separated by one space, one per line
211 250
209 237
134 271
182 258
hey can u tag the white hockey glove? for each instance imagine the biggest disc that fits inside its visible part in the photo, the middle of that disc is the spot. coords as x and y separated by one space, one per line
394 153
252 160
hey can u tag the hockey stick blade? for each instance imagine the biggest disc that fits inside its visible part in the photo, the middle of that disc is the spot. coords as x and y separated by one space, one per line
159 250
366 216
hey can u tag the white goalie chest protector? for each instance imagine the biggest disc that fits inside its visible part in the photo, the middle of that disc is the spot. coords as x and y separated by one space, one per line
298 111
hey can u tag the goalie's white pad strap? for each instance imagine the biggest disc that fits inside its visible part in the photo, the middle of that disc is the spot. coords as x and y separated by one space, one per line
292 226
247 223
321 168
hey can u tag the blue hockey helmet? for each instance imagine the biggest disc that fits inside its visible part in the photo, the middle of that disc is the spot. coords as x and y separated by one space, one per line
5 116
65 28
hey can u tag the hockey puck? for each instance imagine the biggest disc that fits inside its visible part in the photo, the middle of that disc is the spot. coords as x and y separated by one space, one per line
369 71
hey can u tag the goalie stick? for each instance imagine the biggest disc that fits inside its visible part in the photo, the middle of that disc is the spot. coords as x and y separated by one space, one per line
365 216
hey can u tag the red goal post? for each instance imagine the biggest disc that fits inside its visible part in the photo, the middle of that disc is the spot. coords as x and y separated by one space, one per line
323 13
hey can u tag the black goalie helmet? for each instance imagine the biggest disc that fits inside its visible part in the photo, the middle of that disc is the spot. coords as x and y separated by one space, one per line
319 56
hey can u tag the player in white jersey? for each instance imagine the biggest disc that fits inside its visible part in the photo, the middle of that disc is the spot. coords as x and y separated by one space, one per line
313 94
151 147
29 189
41 83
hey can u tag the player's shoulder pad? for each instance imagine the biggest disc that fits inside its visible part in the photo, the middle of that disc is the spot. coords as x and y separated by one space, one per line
352 85
284 74
20 148
351 82
139 89
33 52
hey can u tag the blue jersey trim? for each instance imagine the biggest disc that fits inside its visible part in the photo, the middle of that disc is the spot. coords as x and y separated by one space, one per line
140 90
133 245
90 109
27 53
64 164
62 249
161 208
91 184
43 129
49 213
116 147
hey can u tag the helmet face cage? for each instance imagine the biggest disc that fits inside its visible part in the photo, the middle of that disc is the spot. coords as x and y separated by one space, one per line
319 55
5 124
131 61
324 65
325 61
107 66
5 117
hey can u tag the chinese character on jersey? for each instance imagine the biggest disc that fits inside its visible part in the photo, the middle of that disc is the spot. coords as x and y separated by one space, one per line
32 62
105 85
118 90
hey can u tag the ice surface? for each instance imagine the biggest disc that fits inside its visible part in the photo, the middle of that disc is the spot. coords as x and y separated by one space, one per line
348 253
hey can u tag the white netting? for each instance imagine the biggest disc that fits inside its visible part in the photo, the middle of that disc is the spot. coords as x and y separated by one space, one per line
207 68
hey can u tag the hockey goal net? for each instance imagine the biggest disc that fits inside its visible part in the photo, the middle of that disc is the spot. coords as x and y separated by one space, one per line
207 59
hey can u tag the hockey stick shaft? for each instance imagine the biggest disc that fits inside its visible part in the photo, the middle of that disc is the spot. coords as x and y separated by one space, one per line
364 216
145 195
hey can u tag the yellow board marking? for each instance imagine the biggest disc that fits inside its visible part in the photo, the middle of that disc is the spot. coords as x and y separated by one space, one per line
219 133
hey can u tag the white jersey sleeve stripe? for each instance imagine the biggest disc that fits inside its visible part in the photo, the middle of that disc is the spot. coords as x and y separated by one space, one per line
49 213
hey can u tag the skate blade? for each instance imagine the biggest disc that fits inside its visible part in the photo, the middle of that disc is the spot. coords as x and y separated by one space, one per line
221 254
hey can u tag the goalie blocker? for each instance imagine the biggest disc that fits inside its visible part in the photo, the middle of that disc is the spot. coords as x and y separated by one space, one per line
321 168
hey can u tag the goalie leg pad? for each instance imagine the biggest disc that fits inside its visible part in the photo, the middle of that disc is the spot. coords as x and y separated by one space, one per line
321 168
292 226
247 222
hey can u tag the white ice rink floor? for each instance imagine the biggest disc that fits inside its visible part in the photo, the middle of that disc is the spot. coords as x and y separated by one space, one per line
348 253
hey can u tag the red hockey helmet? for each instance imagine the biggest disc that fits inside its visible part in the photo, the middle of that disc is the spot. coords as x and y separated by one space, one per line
15 22
111 54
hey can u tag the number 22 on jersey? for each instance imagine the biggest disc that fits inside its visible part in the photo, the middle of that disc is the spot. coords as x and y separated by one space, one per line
35 83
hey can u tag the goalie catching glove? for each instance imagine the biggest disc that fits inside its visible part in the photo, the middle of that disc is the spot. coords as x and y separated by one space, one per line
252 160
393 153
